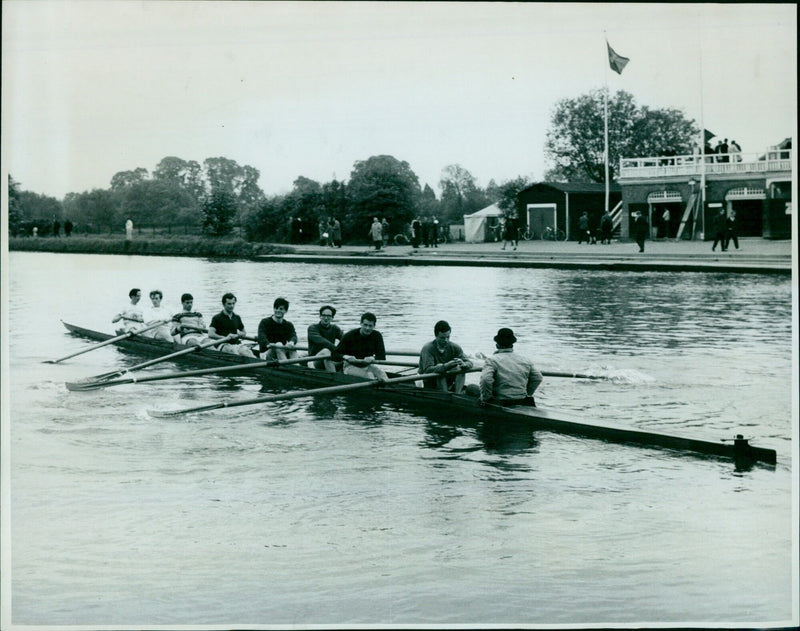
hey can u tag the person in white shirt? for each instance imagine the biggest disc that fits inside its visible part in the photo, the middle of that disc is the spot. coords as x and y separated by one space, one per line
131 314
154 313
508 378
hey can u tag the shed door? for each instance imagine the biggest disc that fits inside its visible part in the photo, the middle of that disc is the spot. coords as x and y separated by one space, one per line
540 216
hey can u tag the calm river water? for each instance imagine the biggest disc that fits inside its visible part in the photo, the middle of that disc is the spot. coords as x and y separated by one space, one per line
337 511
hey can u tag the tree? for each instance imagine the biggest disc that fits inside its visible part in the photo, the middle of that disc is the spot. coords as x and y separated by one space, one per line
219 209
158 202
428 204
14 208
575 140
98 208
186 174
508 191
123 179
380 186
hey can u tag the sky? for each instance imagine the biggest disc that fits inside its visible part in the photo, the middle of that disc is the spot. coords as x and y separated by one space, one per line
91 88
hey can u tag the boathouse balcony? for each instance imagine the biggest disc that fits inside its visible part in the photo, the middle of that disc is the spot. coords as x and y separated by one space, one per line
726 164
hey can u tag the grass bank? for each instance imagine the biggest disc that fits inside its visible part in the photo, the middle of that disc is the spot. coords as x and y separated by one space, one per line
159 245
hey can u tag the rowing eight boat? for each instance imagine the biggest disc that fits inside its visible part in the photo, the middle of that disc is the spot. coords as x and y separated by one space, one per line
454 406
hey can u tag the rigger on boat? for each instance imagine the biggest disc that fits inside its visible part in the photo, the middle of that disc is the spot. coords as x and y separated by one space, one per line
402 389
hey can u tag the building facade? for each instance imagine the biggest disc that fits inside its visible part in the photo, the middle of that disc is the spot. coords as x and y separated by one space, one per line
753 189
559 205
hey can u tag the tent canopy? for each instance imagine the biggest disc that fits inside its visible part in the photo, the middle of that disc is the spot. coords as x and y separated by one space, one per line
475 224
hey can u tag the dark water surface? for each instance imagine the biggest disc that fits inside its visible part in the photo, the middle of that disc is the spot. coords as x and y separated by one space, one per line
351 511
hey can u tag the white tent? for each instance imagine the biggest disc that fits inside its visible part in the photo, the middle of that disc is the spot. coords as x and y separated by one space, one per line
475 225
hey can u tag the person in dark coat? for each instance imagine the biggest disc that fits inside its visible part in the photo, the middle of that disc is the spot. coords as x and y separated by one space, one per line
730 230
416 232
56 228
640 230
67 227
583 227
719 225
606 228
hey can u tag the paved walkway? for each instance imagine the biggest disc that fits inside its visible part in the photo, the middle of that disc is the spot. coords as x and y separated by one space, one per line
754 255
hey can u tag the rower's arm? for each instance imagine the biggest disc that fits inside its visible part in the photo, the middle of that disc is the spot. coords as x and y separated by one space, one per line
534 379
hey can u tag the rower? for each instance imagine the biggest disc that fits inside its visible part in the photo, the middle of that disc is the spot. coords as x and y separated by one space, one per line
322 338
225 323
187 325
153 314
131 314
276 330
442 355
360 348
508 378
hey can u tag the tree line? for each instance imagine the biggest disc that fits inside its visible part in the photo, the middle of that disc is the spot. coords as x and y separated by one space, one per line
218 194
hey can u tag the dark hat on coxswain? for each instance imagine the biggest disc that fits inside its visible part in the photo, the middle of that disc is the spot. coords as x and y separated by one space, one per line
505 337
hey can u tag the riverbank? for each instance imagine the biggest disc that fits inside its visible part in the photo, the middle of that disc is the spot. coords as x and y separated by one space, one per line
755 255
160 245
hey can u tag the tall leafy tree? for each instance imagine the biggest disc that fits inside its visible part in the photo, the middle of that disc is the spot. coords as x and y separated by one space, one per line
219 211
508 191
381 186
187 174
123 179
575 139
14 208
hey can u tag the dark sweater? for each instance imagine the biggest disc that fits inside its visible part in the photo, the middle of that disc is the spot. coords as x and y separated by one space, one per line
360 346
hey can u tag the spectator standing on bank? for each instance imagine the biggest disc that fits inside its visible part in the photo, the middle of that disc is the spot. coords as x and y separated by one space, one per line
67 227
376 233
56 228
416 232
606 228
323 232
723 150
719 226
665 222
730 230
509 233
640 230
128 233
335 232
385 231
435 232
583 227
592 229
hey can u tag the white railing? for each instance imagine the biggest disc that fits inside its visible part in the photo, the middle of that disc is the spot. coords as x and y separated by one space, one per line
662 166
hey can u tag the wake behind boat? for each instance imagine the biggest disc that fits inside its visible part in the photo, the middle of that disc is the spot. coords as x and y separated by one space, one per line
453 406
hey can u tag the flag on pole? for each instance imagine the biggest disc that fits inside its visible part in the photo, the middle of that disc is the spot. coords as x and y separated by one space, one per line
708 135
617 62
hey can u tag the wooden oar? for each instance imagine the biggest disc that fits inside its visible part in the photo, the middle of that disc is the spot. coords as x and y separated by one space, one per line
107 342
97 384
296 394
118 373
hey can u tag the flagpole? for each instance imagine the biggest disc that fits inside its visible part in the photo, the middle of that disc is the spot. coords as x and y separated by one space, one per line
605 118
702 146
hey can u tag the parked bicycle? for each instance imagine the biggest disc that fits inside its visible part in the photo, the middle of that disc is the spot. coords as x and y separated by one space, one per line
526 234
551 234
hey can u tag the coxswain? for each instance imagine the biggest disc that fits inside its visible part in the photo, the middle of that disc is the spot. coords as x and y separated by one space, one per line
187 326
508 378
440 356
131 314
153 314
322 339
277 330
360 348
226 323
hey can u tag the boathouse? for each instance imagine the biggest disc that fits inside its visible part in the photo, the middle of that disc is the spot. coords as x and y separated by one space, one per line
560 204
754 189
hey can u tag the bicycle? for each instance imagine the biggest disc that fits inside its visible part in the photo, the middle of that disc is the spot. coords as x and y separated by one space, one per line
525 235
551 234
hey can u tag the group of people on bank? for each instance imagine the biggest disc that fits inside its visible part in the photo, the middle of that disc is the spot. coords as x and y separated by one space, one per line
507 378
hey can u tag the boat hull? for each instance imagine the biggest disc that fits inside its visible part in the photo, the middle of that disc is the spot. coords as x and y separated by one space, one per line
450 407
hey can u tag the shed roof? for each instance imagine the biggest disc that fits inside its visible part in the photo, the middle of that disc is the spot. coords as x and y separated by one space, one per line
574 187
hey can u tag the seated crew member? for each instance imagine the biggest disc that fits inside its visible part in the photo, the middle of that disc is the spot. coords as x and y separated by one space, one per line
442 355
360 348
225 323
322 338
131 314
153 314
187 326
508 378
277 330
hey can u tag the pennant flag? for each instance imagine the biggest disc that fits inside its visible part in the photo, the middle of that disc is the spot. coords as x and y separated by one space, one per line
707 135
617 62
